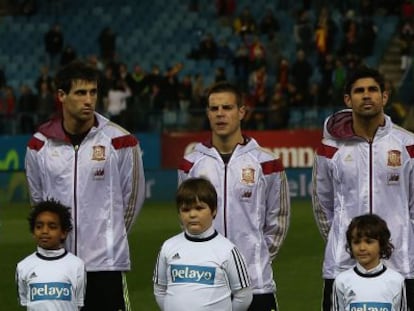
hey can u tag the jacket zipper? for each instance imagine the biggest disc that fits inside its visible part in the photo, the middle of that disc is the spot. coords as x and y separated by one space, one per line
370 177
75 207
225 200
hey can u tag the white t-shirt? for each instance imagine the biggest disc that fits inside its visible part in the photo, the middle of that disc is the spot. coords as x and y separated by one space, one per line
199 274
381 289
51 281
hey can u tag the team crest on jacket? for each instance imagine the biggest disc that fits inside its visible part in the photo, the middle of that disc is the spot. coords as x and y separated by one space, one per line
98 153
248 176
394 158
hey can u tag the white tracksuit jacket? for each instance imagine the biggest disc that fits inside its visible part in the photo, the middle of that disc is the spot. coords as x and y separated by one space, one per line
352 176
253 208
101 180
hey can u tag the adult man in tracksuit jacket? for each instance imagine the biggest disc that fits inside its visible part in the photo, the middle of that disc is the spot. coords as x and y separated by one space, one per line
365 164
253 197
95 167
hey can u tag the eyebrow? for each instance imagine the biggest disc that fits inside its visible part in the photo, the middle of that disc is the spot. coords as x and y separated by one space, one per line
362 88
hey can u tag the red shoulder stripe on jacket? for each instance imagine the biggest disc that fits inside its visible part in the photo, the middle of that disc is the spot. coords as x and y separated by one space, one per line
35 143
273 166
326 151
124 141
185 165
410 150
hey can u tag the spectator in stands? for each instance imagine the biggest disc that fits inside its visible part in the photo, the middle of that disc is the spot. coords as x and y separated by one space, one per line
117 101
185 91
8 102
54 41
138 75
257 53
225 52
241 65
107 44
44 77
245 23
367 37
301 72
7 110
303 31
325 33
283 75
339 75
269 24
258 94
326 69
46 105
27 110
407 9
198 91
351 29
68 55
272 48
406 37
126 76
225 8
138 103
3 79
220 74
278 113
207 48
157 102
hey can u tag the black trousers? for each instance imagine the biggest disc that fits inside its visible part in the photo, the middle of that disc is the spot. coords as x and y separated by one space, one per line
104 291
327 294
263 302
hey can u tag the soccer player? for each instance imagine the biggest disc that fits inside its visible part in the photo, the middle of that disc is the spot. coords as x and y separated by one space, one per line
365 164
200 269
253 196
51 279
370 285
95 167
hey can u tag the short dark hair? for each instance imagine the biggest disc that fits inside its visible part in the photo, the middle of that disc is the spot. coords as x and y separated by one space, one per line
52 206
76 70
364 72
224 86
374 227
196 189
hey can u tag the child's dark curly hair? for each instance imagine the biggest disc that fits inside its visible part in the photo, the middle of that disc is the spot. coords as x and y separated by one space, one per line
371 226
52 206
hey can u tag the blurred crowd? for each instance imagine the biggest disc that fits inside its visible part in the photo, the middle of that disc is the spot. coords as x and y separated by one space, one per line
275 82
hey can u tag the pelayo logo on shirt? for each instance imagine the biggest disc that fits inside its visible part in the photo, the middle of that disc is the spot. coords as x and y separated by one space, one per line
50 291
370 306
193 274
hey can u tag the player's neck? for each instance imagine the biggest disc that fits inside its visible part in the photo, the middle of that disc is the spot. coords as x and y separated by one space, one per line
226 144
367 127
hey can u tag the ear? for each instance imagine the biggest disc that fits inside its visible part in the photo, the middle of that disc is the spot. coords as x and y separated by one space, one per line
63 235
60 95
347 100
385 96
242 112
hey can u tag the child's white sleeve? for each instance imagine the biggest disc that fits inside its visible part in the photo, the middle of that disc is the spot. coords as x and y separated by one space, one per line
21 288
81 285
160 279
159 293
242 299
239 280
337 297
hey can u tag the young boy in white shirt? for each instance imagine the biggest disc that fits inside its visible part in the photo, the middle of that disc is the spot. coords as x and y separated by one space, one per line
51 279
370 285
199 269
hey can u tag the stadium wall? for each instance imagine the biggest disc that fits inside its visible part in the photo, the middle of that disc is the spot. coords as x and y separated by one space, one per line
161 155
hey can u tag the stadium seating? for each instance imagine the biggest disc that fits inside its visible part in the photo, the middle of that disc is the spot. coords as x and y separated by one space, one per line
148 32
